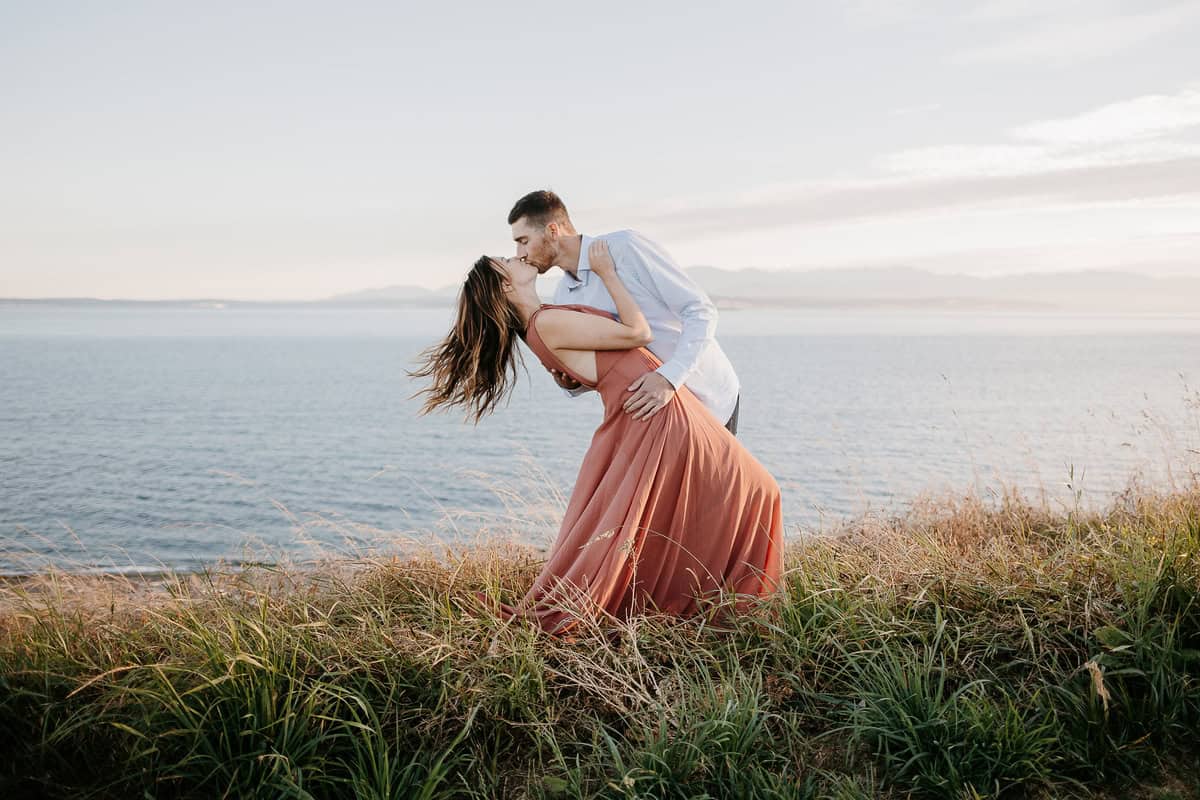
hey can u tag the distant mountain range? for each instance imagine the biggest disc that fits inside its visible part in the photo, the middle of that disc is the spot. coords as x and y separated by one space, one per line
394 295
894 287
905 287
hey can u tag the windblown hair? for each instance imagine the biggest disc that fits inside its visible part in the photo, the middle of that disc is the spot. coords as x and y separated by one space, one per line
540 208
475 366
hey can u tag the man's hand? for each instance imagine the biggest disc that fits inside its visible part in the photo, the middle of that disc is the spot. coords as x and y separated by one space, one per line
650 393
564 380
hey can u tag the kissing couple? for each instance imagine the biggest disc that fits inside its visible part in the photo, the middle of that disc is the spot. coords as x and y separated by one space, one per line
669 509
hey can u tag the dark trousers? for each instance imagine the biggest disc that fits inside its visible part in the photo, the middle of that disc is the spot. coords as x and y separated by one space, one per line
731 426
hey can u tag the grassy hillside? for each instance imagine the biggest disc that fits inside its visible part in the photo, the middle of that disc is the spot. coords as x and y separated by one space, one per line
968 649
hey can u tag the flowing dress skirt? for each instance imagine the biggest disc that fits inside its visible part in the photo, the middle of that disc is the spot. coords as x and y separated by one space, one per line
664 512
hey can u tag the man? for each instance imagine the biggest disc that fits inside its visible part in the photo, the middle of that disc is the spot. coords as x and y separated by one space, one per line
682 317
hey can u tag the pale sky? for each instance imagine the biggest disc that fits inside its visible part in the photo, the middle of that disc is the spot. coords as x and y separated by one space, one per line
295 150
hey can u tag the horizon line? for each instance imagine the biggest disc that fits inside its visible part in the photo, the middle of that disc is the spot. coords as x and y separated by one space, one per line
441 291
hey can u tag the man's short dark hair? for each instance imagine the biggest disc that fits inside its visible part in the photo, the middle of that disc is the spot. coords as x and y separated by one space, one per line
540 208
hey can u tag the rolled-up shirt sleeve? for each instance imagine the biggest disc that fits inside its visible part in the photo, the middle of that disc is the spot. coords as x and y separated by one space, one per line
697 315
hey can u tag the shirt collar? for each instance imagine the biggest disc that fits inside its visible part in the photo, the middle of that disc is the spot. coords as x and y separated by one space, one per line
583 270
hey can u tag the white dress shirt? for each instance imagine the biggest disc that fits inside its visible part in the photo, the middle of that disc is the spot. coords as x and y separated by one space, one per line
682 317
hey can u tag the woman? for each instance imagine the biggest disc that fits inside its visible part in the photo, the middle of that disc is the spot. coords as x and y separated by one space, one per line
665 511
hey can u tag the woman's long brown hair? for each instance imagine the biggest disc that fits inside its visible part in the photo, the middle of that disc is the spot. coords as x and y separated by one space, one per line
475 366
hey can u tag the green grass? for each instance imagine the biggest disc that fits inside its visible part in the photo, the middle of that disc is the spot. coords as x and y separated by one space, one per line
964 650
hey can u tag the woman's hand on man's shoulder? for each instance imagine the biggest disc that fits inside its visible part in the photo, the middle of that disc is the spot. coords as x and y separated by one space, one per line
600 258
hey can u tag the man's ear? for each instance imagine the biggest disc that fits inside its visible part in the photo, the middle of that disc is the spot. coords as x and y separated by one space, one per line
553 231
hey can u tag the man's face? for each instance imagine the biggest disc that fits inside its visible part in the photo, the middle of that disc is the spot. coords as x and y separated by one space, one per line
536 244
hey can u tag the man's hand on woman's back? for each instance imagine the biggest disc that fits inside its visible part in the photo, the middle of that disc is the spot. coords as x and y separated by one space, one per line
564 380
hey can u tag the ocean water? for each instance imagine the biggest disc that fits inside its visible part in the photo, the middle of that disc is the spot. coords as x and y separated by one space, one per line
149 438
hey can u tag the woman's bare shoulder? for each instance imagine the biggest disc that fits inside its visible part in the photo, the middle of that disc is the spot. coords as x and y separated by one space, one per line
552 319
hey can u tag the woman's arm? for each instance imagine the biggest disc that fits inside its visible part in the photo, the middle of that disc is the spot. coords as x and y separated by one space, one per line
603 265
567 330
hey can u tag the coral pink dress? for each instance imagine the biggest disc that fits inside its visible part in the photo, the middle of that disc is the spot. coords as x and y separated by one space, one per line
664 510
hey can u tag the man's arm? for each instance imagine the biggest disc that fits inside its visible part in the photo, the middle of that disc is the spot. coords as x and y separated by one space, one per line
691 304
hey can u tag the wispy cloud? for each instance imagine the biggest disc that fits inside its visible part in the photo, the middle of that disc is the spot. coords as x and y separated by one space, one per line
1035 32
1014 159
1125 151
1140 130
1058 34
1145 117
883 198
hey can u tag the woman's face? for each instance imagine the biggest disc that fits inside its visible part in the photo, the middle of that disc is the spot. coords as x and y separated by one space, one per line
516 271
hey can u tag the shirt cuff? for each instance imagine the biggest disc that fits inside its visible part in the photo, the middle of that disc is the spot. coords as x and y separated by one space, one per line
675 373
